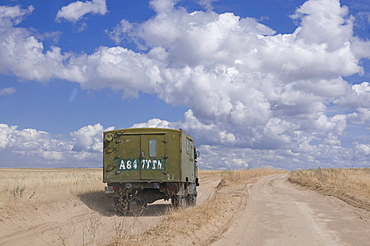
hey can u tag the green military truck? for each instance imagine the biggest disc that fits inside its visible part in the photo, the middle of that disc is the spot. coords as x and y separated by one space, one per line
142 165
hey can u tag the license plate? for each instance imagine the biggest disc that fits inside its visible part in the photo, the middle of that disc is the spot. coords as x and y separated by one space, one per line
109 190
143 164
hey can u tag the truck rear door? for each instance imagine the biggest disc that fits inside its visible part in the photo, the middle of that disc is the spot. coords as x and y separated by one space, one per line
143 156
129 163
153 156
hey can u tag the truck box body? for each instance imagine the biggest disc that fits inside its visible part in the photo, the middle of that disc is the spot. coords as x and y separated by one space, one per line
148 155
150 162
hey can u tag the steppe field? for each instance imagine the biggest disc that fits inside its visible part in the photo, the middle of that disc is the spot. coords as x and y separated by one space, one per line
349 185
259 206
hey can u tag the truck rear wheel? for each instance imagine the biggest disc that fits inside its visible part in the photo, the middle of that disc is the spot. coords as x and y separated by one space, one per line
178 201
137 206
121 205
126 205
191 199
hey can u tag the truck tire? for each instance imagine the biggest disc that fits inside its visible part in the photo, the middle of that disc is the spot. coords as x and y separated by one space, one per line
191 196
183 202
191 199
178 201
124 206
175 201
121 205
137 207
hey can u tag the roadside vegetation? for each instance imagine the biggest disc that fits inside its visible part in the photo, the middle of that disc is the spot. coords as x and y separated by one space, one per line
40 187
350 185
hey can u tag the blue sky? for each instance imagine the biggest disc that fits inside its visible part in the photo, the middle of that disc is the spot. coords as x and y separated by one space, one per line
273 83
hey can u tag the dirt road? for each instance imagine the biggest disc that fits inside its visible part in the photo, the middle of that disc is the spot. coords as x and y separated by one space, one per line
276 212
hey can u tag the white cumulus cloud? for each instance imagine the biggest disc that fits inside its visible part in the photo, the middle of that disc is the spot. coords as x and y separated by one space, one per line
89 138
74 11
13 15
31 141
34 148
7 91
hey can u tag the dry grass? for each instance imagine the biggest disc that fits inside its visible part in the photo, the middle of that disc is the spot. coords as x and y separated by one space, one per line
37 187
200 225
350 185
